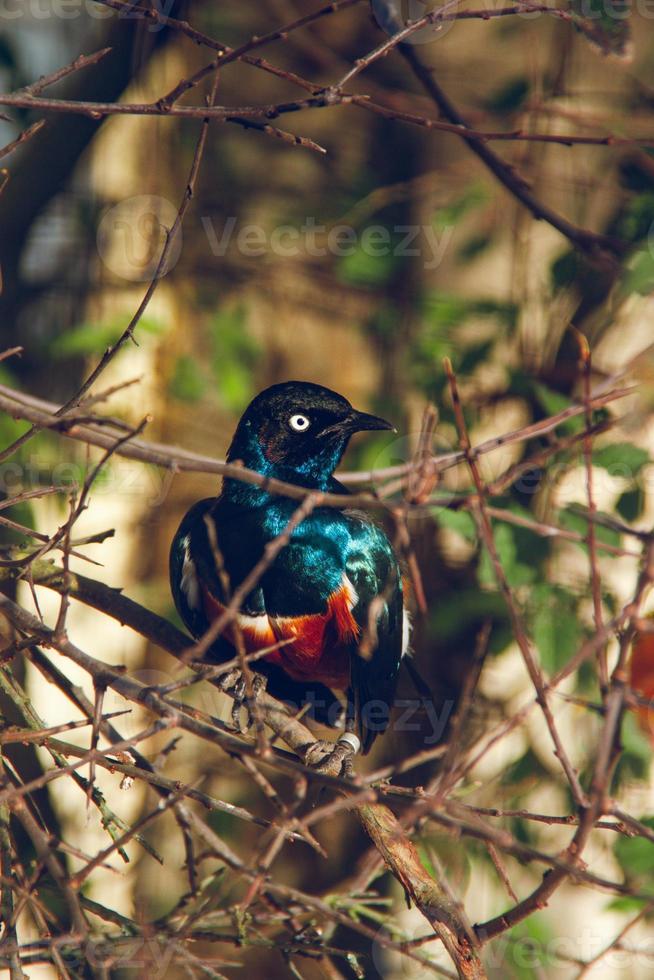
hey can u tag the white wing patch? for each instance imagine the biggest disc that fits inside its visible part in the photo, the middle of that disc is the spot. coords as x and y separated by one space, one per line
258 624
189 582
352 597
346 585
406 631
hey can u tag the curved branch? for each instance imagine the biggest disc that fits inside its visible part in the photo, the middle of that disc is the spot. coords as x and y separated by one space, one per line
102 433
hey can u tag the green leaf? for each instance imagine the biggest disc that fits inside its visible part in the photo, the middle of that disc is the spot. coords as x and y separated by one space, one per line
474 356
532 947
475 246
21 513
634 740
89 338
517 572
605 25
454 612
10 430
554 402
564 270
7 376
505 313
527 767
94 338
635 855
509 96
554 625
474 196
187 382
459 521
639 274
236 386
621 459
634 220
445 310
628 905
365 267
234 359
631 503
573 520
425 857
521 552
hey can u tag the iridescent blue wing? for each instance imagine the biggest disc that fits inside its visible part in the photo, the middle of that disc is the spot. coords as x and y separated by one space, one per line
185 580
194 578
375 576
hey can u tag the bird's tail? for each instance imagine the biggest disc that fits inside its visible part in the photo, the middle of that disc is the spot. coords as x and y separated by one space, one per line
418 681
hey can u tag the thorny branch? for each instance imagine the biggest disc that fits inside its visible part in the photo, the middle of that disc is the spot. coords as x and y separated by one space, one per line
596 246
269 913
388 834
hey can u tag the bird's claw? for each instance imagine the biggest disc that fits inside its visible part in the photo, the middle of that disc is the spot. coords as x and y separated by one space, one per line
331 758
234 685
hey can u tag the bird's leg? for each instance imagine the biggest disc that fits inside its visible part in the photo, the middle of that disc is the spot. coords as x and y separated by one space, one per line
335 758
233 684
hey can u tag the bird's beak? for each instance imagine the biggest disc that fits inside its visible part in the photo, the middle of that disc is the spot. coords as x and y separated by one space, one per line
356 422
362 421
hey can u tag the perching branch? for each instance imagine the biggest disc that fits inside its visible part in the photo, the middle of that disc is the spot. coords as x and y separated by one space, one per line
378 821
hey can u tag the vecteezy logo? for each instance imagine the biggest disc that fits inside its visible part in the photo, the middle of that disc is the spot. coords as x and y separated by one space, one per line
132 235
394 15
400 455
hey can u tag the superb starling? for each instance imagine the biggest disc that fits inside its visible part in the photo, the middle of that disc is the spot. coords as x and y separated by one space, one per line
330 605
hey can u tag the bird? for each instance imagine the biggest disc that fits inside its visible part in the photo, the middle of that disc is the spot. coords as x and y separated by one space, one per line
333 590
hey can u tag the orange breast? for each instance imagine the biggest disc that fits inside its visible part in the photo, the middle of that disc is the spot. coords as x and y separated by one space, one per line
319 643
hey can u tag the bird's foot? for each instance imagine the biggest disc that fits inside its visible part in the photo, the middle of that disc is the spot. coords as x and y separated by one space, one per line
234 685
333 758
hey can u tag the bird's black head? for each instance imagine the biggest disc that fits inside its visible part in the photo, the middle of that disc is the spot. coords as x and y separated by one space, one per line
298 431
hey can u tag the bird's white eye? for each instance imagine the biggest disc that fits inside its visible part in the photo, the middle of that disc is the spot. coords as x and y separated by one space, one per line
299 423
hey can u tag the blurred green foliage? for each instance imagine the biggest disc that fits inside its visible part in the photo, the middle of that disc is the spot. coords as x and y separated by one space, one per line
228 370
235 356
636 858
94 338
